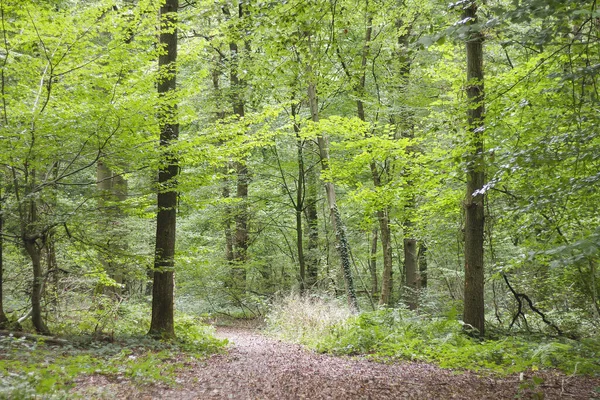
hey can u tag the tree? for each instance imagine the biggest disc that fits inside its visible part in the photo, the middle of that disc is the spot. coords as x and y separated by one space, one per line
474 312
336 218
3 319
162 324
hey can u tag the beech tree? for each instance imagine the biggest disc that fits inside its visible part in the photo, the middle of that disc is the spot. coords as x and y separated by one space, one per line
474 313
162 324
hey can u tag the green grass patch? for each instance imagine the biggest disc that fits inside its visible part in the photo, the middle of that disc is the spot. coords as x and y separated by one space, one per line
32 370
395 334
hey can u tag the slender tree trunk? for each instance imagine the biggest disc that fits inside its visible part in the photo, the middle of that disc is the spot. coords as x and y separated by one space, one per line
383 211
410 268
388 262
300 250
120 192
3 319
373 265
225 192
105 187
299 204
241 238
30 242
227 222
312 224
162 324
411 277
423 265
474 201
338 225
38 280
594 288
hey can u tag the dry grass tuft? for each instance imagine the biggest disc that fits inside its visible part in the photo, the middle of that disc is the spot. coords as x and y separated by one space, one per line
306 319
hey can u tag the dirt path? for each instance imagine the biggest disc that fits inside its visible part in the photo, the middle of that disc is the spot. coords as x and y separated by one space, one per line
257 367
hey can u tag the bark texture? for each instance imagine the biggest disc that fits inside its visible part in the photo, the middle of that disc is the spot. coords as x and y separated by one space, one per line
162 324
474 200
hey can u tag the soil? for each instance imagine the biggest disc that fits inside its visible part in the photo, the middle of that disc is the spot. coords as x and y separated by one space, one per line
258 367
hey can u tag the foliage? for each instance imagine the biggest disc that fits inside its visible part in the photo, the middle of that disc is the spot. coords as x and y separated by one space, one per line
30 369
400 334
78 92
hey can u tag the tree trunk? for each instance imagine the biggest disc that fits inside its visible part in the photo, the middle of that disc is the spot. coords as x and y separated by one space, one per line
299 207
386 245
3 319
474 200
412 277
35 255
162 324
120 192
241 238
227 222
423 265
338 225
225 192
373 265
383 211
312 224
104 179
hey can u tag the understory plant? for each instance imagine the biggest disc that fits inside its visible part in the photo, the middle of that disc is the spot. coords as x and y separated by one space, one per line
400 334
30 369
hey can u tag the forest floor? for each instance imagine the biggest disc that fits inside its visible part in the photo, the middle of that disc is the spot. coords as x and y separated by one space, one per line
259 367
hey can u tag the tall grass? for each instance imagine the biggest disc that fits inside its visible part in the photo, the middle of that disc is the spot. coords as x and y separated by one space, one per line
305 320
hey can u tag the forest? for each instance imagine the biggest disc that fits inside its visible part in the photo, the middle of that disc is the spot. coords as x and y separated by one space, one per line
402 180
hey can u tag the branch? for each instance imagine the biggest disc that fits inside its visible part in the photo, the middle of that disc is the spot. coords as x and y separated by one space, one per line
518 297
37 338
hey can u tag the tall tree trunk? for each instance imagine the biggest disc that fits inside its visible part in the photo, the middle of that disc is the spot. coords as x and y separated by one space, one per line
241 238
338 225
3 319
410 268
225 192
411 278
474 201
373 265
162 324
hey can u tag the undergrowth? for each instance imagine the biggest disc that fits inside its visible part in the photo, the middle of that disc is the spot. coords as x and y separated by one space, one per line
305 319
390 334
33 370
